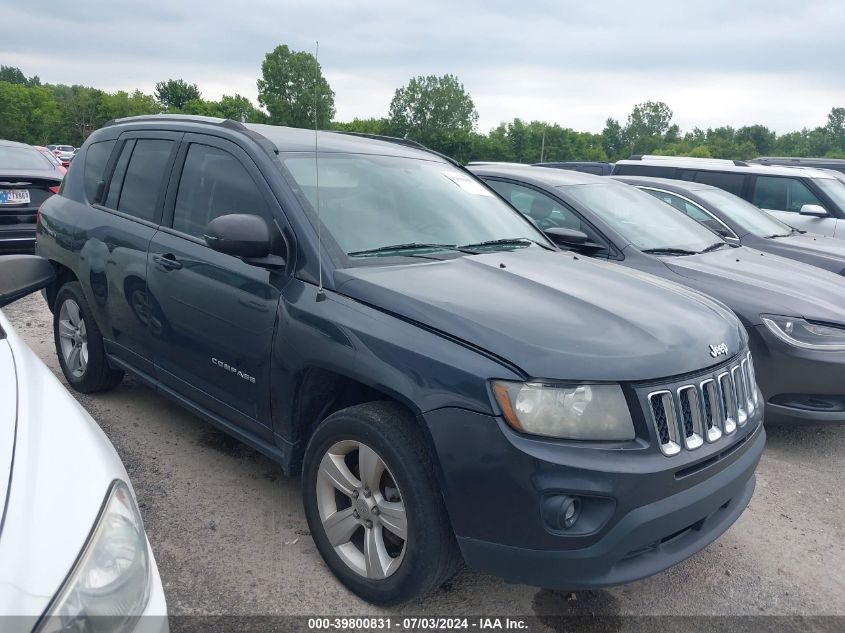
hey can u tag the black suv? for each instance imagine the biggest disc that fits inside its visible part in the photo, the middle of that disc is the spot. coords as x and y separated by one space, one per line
376 319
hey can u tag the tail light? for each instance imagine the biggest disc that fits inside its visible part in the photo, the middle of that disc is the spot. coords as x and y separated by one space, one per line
54 189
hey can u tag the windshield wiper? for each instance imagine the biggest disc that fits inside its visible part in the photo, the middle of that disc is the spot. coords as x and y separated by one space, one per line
410 246
508 241
669 251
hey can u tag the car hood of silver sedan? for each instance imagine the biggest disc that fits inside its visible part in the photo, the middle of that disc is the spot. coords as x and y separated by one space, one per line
56 467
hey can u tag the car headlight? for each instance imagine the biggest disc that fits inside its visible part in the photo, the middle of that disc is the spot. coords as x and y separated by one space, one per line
575 412
801 333
111 577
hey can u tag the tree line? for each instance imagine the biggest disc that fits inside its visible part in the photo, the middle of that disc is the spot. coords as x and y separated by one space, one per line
436 111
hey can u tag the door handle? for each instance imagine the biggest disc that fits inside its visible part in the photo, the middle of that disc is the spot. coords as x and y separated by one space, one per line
167 261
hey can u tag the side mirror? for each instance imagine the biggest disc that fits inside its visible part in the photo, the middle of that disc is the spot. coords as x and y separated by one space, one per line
243 235
814 211
21 275
567 237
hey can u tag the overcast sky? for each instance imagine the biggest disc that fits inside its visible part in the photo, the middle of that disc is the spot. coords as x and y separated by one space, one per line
715 62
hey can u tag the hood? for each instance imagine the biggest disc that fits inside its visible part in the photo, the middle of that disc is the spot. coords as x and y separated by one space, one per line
817 250
751 282
8 419
554 315
63 466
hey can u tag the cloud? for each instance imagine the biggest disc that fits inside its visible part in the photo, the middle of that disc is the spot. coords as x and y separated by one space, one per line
714 62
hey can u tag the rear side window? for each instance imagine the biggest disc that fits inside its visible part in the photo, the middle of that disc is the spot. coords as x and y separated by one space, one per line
782 194
729 182
146 165
656 171
213 183
680 204
96 158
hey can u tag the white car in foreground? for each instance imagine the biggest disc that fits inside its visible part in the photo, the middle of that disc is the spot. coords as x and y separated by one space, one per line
73 552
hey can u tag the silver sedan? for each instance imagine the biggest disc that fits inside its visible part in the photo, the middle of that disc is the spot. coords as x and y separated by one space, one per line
73 551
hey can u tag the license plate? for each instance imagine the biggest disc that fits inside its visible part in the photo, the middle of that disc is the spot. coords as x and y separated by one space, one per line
14 196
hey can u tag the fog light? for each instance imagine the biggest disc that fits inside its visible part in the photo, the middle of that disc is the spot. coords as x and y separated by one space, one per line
562 512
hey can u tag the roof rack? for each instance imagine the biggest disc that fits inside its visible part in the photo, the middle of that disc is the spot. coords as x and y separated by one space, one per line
229 123
690 159
382 137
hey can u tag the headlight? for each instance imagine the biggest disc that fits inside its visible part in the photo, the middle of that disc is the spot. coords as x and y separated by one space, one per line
801 333
575 412
111 577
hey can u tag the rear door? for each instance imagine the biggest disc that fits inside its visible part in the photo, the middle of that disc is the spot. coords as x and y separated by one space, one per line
114 259
783 197
218 313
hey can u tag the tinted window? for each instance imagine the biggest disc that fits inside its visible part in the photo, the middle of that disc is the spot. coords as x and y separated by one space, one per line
144 176
782 194
728 182
693 211
96 158
23 158
213 183
118 174
656 171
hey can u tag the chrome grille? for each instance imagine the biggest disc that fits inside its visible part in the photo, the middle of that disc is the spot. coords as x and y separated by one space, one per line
704 412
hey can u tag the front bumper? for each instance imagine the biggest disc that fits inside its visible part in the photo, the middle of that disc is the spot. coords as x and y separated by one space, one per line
648 511
800 386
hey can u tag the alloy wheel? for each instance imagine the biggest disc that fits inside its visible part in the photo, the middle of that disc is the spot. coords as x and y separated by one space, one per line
361 509
73 338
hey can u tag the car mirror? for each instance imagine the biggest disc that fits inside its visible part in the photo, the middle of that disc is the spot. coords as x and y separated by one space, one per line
567 237
243 235
21 275
814 211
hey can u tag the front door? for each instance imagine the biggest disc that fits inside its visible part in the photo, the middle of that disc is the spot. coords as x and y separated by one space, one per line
783 197
214 314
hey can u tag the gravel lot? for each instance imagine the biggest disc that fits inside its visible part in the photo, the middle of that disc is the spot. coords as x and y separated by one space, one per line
230 536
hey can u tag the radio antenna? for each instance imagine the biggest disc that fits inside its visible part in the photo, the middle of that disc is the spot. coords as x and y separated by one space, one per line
321 295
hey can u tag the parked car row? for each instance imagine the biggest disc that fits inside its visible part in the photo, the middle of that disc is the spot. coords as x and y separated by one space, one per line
27 178
64 153
425 344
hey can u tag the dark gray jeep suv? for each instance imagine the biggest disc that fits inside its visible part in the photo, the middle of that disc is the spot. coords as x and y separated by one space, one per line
378 321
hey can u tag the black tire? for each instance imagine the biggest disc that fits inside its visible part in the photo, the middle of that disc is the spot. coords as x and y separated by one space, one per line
431 554
98 374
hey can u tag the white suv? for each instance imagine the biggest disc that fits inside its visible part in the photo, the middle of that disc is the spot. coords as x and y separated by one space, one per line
806 198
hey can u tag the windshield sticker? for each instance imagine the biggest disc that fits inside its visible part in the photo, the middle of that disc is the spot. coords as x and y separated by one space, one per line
468 184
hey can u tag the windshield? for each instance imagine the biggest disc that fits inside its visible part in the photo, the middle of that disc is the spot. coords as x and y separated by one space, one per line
834 188
22 158
750 218
375 202
646 222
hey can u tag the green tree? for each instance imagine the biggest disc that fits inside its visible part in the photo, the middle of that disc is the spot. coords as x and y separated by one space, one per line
647 127
13 75
175 93
761 137
613 140
379 126
433 110
122 104
30 113
291 84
